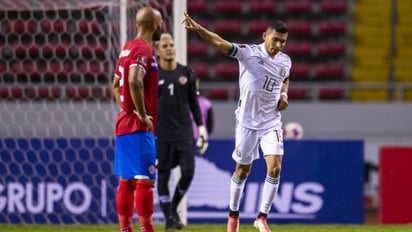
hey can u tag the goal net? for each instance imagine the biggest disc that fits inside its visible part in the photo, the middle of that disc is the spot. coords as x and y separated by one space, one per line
57 111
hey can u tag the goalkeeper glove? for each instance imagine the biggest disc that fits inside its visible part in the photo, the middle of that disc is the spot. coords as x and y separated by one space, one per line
202 142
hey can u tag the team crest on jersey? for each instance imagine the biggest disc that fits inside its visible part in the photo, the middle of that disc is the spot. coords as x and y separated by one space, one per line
182 80
142 59
152 169
282 72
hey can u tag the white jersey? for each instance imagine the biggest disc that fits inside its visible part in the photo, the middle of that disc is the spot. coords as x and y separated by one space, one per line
260 82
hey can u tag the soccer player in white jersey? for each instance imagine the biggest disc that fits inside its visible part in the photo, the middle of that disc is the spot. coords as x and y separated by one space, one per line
264 82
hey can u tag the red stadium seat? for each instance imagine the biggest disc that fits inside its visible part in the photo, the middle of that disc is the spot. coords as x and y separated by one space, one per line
298 6
46 26
51 92
300 71
31 26
229 6
201 69
96 28
100 51
98 92
333 6
33 51
299 26
41 66
18 26
3 66
16 92
47 52
262 6
59 26
96 67
197 6
218 94
332 27
61 51
4 92
15 66
54 66
331 94
87 52
296 48
298 94
78 92
20 51
227 71
331 48
108 92
83 26
29 67
330 71
84 92
204 23
68 66
228 26
257 26
81 66
197 48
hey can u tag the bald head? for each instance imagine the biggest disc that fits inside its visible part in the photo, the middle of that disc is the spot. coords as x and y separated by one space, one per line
147 16
149 24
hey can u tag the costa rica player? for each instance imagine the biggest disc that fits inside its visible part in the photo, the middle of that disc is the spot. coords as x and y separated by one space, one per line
135 90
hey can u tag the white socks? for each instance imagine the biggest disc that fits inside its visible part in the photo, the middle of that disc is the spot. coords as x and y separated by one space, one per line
270 187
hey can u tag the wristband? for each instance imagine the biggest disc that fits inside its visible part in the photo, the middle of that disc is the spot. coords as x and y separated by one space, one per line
284 94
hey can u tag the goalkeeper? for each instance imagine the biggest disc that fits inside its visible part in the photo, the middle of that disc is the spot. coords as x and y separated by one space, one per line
177 98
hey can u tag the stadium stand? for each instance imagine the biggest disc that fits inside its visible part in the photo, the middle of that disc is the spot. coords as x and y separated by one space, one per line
257 6
298 6
319 41
371 50
69 48
331 94
402 62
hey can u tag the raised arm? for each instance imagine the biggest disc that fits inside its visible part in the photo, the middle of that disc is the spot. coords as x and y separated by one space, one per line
208 36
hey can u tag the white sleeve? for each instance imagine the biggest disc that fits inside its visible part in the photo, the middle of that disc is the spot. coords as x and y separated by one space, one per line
241 51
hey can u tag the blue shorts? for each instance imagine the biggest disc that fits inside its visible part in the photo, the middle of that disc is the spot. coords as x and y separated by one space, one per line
135 156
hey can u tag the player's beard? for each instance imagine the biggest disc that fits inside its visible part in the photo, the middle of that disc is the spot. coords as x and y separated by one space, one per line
156 35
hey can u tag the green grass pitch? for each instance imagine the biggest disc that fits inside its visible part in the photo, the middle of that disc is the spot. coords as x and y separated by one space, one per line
209 228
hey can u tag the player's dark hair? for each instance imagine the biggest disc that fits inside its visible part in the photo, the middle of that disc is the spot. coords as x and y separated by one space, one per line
279 26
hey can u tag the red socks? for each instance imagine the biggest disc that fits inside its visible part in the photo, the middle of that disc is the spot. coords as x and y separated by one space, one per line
144 205
124 205
141 193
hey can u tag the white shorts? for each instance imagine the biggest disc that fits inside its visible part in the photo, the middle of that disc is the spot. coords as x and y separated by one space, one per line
247 143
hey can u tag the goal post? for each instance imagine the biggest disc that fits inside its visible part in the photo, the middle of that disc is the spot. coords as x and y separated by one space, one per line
57 59
180 37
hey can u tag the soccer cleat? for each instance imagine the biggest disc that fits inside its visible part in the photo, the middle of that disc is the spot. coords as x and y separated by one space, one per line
178 222
233 224
261 224
173 224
